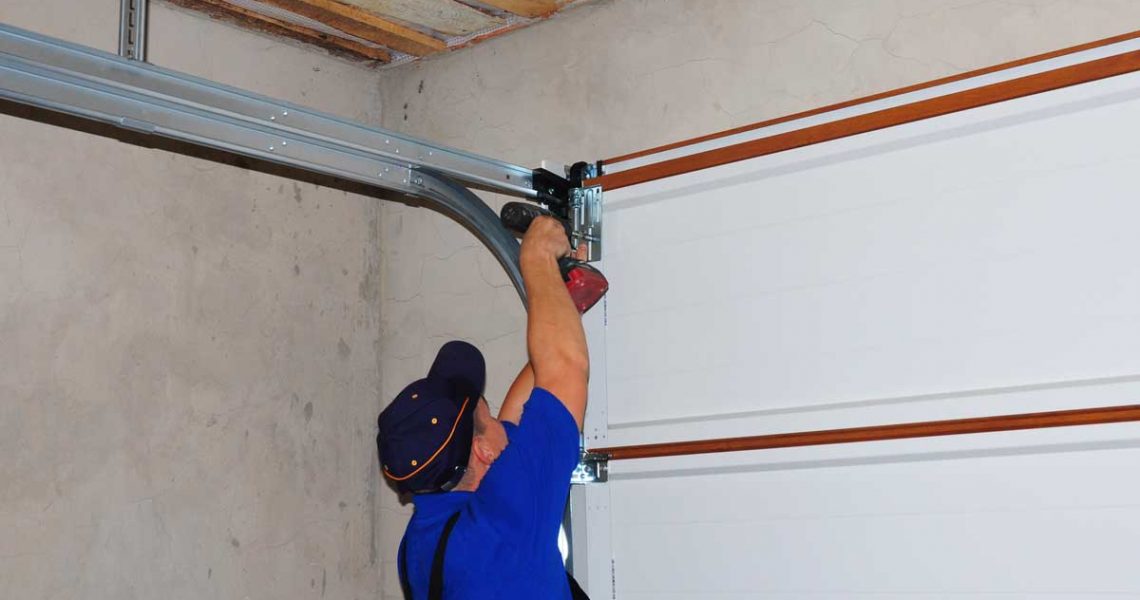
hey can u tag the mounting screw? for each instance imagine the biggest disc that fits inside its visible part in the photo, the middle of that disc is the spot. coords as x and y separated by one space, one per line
284 142
284 113
272 117
418 181
271 148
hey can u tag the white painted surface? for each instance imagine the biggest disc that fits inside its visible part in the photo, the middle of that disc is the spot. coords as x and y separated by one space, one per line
981 263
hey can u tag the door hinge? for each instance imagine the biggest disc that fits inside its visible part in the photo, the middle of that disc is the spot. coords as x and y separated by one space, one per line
592 468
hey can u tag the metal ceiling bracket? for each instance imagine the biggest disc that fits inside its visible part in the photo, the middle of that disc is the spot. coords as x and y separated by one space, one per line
132 29
97 86
592 468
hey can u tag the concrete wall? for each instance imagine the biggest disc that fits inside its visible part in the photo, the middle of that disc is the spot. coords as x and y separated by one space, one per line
622 75
188 350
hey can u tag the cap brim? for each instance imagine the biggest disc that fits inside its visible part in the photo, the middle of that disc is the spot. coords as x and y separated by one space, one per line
462 364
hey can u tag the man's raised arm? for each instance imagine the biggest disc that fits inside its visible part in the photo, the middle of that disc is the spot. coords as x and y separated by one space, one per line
555 340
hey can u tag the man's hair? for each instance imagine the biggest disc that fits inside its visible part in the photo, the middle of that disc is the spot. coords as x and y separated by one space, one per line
480 426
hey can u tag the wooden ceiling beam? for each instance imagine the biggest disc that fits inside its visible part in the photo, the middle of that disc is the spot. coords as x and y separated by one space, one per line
448 17
364 24
221 10
526 8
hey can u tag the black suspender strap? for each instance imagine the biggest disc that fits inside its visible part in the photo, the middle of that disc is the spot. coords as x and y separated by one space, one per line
435 590
576 591
435 587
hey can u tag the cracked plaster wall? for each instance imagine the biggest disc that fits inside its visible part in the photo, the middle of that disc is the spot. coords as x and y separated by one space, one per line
621 75
188 350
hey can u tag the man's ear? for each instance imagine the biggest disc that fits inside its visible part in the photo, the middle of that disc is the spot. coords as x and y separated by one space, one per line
483 450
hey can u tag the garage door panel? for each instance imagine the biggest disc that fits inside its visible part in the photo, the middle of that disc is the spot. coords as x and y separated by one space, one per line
1005 269
1010 525
982 263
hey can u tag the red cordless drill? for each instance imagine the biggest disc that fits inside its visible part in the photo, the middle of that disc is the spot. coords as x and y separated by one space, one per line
587 285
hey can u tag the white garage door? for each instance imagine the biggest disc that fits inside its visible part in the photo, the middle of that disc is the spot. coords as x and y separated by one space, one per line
981 263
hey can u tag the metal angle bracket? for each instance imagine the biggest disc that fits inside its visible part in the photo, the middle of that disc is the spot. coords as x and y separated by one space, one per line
132 29
592 468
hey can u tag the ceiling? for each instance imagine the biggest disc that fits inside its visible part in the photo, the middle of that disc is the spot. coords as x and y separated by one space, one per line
384 31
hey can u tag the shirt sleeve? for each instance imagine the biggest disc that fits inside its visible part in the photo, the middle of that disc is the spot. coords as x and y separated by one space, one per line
527 486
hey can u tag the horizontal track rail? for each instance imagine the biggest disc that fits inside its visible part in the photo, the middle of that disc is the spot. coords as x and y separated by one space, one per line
878 433
58 75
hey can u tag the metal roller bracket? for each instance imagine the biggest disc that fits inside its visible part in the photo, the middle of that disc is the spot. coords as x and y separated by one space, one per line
586 220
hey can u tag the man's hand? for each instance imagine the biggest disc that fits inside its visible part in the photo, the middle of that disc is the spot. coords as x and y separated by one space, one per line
545 239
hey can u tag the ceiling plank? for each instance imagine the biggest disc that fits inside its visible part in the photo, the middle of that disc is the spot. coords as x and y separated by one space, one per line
445 16
218 9
526 8
363 24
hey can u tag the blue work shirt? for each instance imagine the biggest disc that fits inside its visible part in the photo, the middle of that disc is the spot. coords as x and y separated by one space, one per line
505 544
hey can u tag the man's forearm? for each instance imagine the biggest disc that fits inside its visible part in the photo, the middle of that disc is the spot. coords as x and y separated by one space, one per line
556 341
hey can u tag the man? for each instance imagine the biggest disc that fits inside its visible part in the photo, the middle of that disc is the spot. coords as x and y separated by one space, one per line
489 493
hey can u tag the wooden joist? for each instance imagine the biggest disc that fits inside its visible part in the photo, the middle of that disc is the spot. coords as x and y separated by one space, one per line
527 8
378 29
219 9
364 24
448 17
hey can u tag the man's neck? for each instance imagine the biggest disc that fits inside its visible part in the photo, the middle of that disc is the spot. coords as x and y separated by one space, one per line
471 478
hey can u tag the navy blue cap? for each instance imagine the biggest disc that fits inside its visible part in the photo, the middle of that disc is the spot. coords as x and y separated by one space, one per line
424 437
